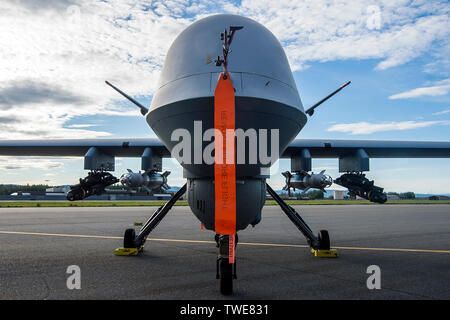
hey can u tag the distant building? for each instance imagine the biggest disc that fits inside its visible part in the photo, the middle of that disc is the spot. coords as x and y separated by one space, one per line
162 196
20 193
393 196
285 196
338 195
438 198
64 190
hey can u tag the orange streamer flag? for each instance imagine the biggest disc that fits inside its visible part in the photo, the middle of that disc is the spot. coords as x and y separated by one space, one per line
224 169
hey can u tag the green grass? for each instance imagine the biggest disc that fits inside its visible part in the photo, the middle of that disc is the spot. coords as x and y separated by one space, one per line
25 204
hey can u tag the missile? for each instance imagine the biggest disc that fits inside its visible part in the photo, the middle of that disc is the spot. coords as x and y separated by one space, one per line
148 180
94 184
358 185
305 181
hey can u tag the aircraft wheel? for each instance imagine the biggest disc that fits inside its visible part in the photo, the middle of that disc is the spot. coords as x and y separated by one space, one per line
324 240
226 277
129 239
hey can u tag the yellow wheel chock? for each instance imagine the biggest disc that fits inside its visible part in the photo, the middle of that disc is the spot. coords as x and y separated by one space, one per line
332 253
128 251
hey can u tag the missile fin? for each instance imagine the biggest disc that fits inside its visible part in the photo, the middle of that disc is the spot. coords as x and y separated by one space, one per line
286 174
306 174
165 186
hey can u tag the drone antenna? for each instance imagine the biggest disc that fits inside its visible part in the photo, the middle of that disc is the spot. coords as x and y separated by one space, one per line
227 38
144 110
310 110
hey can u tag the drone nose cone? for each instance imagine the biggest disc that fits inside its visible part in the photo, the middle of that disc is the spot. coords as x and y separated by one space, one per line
253 40
265 94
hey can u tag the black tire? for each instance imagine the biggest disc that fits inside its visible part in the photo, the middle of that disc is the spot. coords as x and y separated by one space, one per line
226 277
129 239
324 240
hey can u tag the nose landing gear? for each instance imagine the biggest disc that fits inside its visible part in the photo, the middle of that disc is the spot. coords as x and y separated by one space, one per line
226 263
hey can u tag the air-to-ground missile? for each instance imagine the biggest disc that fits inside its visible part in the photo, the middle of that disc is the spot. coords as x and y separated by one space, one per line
358 185
148 180
305 181
94 183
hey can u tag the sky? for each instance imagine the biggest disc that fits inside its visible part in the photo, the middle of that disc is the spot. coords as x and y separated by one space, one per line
56 54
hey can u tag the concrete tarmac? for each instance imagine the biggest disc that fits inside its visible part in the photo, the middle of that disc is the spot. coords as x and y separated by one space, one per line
410 244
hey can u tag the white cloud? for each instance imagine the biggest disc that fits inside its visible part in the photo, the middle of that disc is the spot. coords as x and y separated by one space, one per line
368 128
441 112
25 163
59 54
441 88
81 125
333 30
68 53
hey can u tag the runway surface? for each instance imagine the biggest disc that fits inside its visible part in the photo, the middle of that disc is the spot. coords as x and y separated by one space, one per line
410 244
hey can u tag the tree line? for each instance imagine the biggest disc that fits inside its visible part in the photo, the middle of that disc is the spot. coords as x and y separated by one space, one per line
7 189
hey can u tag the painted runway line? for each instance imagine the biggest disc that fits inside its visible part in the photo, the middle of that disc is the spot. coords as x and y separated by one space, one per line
213 242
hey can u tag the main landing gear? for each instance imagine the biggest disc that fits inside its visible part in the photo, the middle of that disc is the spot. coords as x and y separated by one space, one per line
133 244
320 244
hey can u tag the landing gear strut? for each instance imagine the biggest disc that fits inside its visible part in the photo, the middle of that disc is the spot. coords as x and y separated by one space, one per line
321 242
131 241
